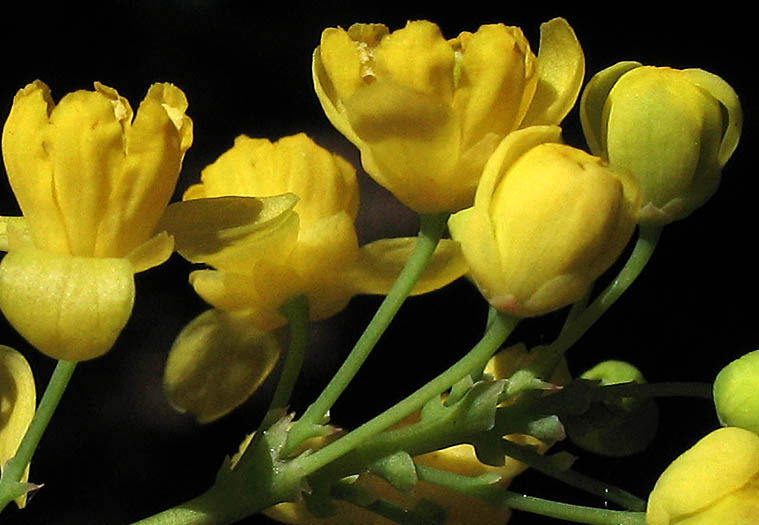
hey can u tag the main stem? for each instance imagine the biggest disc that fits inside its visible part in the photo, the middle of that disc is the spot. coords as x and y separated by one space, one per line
430 232
49 402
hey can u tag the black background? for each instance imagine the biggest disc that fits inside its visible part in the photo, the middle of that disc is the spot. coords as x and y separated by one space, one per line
116 452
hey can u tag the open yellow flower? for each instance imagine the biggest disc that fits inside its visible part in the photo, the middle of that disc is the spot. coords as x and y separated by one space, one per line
18 400
715 481
426 113
275 220
547 220
313 251
92 184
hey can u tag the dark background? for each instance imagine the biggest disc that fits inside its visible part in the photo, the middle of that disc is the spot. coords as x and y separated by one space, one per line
116 452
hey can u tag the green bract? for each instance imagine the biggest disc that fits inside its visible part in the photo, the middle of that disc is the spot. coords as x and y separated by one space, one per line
673 129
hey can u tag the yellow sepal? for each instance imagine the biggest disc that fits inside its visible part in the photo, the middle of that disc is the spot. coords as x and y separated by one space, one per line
18 399
216 362
70 308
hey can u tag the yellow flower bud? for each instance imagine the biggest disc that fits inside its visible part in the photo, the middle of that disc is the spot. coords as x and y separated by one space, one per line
547 220
715 481
18 400
276 220
735 393
426 113
92 183
673 129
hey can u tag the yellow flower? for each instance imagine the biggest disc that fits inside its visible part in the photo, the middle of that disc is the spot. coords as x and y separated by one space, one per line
547 220
17 403
735 393
715 481
274 220
313 250
426 113
673 129
92 184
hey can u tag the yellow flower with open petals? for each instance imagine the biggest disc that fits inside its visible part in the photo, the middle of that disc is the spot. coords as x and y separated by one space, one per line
274 220
426 113
313 252
715 481
92 184
17 403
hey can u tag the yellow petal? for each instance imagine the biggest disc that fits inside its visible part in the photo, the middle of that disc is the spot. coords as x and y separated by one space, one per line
232 232
380 262
216 363
70 308
561 68
419 58
719 464
17 404
497 82
30 171
152 252
153 149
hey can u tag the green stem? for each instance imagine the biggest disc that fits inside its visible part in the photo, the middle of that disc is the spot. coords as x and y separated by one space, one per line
14 469
430 232
544 465
579 323
493 338
297 313
496 495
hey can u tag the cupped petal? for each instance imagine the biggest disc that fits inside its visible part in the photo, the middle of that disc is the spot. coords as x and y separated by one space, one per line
216 363
593 102
497 75
410 144
18 400
379 263
151 253
28 163
418 58
325 183
561 70
142 184
70 308
231 233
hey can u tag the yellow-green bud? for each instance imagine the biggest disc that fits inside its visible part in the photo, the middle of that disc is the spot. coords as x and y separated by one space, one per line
735 393
673 129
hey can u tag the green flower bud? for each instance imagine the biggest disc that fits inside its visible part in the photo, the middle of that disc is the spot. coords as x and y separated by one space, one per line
614 428
735 393
673 129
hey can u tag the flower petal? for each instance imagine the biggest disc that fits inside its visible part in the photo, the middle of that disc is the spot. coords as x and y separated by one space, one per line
70 308
217 361
561 68
380 262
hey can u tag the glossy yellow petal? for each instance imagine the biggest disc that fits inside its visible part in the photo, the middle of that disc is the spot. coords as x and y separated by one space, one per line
561 70
18 400
216 363
380 262
70 308
233 232
152 252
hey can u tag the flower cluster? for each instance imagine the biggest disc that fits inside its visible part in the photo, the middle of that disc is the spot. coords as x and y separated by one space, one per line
467 133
